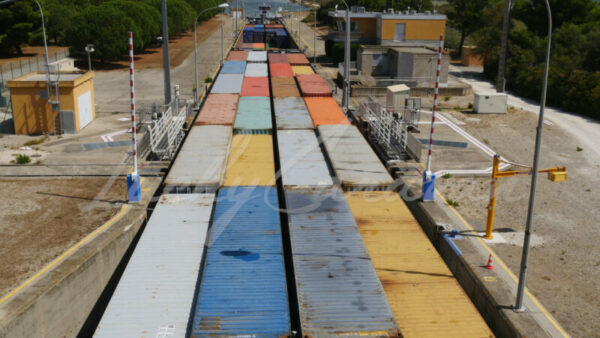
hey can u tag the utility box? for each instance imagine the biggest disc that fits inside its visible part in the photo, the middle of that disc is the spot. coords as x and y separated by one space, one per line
490 103
34 115
396 97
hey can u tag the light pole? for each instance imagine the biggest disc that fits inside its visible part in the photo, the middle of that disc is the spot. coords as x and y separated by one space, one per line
89 49
536 156
346 97
501 81
196 48
166 63
315 37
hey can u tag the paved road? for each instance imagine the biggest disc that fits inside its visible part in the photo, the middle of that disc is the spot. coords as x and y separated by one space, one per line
583 129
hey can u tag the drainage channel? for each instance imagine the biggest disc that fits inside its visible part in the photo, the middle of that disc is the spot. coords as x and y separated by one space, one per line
285 230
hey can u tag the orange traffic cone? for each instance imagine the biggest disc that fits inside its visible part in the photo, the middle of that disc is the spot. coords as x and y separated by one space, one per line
490 264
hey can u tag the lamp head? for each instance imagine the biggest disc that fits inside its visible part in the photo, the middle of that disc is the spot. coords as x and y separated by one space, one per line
225 5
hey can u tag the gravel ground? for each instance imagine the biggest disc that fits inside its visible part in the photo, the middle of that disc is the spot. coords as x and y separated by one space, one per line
564 261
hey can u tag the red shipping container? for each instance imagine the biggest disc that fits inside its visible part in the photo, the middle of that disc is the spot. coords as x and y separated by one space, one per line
218 109
237 55
278 58
255 86
281 70
297 59
313 85
249 26
325 111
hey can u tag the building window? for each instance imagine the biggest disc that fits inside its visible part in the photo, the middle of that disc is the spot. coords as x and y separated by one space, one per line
342 26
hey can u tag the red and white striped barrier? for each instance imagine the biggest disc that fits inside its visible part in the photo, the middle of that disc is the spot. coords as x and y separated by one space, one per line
132 90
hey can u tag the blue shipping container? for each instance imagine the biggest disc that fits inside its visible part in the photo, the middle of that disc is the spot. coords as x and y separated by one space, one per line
254 113
243 289
339 293
234 67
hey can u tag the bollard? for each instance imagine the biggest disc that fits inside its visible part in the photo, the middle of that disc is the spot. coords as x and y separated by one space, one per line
428 186
134 191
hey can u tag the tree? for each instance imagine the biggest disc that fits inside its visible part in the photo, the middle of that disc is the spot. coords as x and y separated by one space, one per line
466 17
146 18
59 16
104 26
180 14
533 13
17 23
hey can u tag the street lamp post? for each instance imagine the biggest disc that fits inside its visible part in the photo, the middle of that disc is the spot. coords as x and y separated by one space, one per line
536 156
315 38
166 63
196 48
89 49
346 97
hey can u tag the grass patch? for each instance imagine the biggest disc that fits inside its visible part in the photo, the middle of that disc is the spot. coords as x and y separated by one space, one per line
208 79
452 202
446 176
446 98
23 159
486 141
457 108
579 148
36 141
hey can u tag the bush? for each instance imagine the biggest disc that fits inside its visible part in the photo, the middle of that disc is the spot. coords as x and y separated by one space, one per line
335 50
146 18
23 159
180 14
208 79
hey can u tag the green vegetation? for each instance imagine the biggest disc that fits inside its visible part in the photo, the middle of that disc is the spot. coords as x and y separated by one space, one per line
208 79
579 148
446 176
23 159
446 98
104 23
574 78
335 50
452 202
36 141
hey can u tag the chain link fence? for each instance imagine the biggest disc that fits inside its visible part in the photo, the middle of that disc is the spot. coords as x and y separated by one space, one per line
21 67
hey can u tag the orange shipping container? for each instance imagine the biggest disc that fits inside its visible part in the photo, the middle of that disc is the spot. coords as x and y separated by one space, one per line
284 87
238 55
255 86
313 85
325 111
258 45
278 58
281 69
218 109
298 59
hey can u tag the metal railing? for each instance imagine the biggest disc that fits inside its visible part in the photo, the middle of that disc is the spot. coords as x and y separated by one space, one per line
166 131
21 67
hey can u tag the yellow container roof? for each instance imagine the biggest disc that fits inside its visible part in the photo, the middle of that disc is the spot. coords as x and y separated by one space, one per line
250 161
302 70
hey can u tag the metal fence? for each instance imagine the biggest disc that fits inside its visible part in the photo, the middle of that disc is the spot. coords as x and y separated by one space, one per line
25 66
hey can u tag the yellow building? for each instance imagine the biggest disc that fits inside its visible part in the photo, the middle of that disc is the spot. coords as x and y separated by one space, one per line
390 28
33 114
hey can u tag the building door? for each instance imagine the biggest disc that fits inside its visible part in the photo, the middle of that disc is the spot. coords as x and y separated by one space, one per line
399 35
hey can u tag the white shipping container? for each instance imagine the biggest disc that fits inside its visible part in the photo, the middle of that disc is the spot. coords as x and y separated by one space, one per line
156 292
302 161
490 103
257 56
354 162
200 165
256 70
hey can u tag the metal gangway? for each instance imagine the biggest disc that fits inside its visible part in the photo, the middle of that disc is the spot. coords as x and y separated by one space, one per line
166 130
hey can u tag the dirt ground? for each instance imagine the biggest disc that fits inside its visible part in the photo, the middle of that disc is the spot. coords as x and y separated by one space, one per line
564 261
41 218
180 47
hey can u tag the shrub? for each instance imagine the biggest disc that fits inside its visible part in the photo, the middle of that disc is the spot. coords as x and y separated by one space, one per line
23 159
208 79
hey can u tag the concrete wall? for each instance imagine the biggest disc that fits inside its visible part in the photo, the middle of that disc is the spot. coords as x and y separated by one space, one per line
58 303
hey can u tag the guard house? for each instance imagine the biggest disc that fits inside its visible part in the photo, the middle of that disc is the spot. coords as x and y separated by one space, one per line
390 27
33 114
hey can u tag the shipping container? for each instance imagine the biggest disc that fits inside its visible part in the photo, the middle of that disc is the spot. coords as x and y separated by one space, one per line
259 26
258 46
254 113
248 35
228 84
255 86
421 286
156 291
233 67
243 292
339 293
218 109
281 70
302 161
200 164
356 165
278 58
284 87
256 70
313 85
244 46
302 70
324 111
250 161
237 55
259 35
257 56
298 59
274 26
291 113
